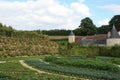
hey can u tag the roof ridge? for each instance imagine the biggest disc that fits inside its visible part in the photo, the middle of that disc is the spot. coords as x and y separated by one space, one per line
71 33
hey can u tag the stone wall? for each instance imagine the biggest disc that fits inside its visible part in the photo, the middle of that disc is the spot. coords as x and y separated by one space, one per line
113 41
58 37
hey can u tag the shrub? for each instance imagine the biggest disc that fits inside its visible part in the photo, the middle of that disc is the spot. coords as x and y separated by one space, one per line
115 51
76 49
84 51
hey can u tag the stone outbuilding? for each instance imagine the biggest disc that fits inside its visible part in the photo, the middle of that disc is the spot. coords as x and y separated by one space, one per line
110 39
113 38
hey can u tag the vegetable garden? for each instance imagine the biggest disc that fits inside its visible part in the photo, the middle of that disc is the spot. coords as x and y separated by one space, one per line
87 69
13 70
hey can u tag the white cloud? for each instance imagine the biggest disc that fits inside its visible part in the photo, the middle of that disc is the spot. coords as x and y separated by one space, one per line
42 14
104 22
113 7
80 8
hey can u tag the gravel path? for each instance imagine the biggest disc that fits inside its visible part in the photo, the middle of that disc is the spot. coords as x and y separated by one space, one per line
118 65
29 67
2 61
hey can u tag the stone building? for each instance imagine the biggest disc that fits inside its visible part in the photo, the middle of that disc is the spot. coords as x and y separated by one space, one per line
113 38
110 39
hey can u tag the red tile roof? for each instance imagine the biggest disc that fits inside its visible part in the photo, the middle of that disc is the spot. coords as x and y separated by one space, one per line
95 37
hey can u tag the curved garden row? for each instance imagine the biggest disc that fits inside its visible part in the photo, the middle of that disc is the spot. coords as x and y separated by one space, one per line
81 72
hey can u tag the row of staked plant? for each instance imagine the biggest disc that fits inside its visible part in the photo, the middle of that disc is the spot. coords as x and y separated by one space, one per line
15 71
74 71
12 47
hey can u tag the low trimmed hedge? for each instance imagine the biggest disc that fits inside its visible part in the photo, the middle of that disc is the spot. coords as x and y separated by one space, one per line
77 49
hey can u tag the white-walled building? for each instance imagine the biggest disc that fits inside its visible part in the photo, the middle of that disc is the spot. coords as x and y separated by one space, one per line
110 39
71 37
114 37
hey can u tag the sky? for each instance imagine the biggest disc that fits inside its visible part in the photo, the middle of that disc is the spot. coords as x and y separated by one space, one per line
56 14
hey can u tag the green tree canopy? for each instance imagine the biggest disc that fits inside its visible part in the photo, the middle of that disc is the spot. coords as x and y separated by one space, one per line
103 29
86 27
87 23
115 21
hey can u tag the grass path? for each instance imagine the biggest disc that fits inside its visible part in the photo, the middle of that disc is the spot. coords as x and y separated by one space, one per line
118 65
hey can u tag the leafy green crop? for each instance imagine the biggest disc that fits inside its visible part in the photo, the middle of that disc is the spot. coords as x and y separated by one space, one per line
81 72
84 63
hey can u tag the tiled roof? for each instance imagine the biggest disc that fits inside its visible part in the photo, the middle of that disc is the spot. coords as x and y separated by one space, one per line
93 37
114 33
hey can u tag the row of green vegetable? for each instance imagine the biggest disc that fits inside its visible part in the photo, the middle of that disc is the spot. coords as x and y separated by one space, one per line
81 72
84 63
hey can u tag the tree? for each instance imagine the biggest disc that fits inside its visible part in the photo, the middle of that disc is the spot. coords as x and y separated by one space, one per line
104 29
9 31
115 21
1 25
87 27
86 23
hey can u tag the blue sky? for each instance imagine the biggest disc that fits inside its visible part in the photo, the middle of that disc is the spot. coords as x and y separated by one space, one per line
56 14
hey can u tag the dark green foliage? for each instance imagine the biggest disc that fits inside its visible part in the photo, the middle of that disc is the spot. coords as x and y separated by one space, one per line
92 51
81 72
79 50
115 21
85 31
86 23
83 63
76 49
63 46
6 30
56 32
5 77
104 51
87 27
115 51
104 29
110 59
51 58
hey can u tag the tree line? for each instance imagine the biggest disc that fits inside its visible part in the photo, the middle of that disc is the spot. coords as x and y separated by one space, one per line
87 27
